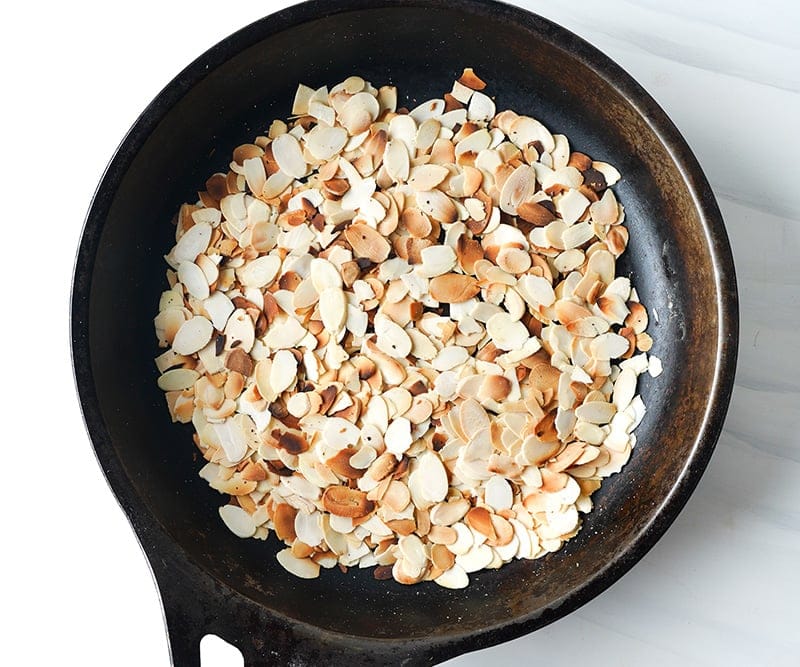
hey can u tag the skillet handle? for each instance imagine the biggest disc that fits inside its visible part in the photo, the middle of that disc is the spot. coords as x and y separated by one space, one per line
183 635
184 608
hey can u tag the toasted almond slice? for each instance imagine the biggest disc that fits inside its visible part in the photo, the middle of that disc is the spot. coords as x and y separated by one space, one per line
325 143
367 242
517 189
471 80
358 113
397 496
437 205
525 130
345 502
427 177
453 288
637 319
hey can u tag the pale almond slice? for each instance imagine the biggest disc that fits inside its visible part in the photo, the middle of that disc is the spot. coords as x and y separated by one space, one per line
193 278
430 109
193 242
396 160
324 274
536 290
391 338
465 540
288 154
339 433
473 419
436 261
358 113
477 558
624 389
301 100
481 108
576 235
571 206
596 412
421 345
283 372
239 331
454 578
450 357
498 493
177 379
364 457
398 436
432 477
324 143
611 175
655 367
193 335
284 334
239 522
609 346
333 309
505 332
259 272
304 568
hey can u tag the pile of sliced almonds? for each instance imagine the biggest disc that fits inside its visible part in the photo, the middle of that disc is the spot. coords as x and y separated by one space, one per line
400 336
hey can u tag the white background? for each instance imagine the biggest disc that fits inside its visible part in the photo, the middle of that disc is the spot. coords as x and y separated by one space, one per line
720 588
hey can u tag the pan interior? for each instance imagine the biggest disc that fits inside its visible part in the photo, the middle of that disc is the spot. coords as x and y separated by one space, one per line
421 51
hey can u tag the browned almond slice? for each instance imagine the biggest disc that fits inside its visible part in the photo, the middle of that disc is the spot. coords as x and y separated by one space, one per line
367 242
341 501
471 80
453 288
480 519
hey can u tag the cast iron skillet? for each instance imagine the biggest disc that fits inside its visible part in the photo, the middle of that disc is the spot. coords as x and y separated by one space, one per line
679 257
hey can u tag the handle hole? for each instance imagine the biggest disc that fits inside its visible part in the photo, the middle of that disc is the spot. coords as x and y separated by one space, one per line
216 652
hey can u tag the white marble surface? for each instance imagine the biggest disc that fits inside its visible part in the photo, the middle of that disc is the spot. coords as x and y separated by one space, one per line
720 588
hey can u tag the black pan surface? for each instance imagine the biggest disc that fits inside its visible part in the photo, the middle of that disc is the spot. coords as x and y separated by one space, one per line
679 259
